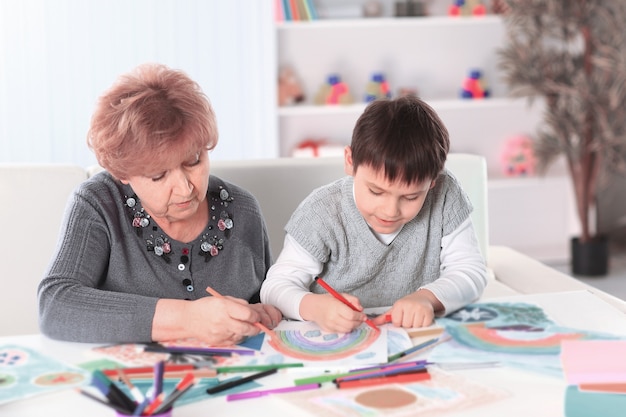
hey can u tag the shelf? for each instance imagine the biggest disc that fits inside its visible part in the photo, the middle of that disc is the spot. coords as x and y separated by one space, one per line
439 22
432 55
357 108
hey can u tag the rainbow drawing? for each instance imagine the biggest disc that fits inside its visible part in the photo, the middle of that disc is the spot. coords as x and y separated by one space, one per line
312 344
543 342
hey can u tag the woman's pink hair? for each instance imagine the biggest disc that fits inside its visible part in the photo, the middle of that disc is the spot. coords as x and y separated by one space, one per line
149 117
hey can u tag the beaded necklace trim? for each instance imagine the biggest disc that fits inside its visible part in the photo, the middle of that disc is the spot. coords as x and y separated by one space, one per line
211 242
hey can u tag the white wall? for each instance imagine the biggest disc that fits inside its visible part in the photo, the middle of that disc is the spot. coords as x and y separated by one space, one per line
58 56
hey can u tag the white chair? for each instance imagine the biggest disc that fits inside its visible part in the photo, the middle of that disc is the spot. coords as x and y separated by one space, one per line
281 184
34 199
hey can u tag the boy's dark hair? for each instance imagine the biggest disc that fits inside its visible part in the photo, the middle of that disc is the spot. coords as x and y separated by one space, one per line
404 137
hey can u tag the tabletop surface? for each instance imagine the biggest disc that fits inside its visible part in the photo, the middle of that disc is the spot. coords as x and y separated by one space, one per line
518 392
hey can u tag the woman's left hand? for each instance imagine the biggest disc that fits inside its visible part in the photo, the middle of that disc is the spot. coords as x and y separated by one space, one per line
270 315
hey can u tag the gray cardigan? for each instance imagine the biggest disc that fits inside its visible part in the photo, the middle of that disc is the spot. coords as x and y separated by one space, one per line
112 262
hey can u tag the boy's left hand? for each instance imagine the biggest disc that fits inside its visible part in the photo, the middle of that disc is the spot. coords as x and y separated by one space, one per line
414 310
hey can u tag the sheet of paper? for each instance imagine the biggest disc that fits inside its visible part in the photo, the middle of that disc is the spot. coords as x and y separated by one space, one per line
306 343
526 331
594 361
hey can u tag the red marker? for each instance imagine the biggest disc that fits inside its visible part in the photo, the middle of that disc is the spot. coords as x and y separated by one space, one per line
392 379
341 298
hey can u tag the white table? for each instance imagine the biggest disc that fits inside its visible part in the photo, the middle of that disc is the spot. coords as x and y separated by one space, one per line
531 394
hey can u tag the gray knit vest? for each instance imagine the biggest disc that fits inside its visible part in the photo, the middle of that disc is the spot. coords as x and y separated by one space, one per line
329 226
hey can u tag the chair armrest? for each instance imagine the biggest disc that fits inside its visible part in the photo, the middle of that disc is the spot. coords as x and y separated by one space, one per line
526 275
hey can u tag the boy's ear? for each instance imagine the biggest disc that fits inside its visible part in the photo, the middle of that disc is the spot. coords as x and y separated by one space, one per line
347 161
432 184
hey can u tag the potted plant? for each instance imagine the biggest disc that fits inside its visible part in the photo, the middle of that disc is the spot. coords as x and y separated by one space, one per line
572 55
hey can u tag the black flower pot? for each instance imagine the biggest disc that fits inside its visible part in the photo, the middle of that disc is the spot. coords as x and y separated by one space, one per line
590 258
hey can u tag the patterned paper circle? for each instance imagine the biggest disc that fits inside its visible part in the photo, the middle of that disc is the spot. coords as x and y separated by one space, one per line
59 378
6 380
386 398
12 357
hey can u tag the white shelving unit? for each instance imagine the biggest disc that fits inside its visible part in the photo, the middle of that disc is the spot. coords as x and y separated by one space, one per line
432 55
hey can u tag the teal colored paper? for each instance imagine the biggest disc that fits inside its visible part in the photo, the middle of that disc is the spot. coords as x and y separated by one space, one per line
586 403
25 372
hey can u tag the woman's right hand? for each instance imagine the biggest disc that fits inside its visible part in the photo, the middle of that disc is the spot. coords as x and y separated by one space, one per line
218 321
222 321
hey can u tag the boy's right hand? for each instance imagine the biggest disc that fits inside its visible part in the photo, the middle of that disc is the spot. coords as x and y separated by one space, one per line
331 314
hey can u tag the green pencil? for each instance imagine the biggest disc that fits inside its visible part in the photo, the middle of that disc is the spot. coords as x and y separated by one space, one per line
255 368
320 379
415 349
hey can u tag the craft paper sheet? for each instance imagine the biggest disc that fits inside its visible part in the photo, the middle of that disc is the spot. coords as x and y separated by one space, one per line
444 392
25 372
520 332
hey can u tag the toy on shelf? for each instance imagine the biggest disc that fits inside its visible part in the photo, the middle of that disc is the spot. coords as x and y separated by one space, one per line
467 8
334 91
313 148
517 157
474 85
377 88
499 7
407 91
372 8
289 87
410 8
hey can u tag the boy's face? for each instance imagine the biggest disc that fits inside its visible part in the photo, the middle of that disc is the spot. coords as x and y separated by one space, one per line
385 206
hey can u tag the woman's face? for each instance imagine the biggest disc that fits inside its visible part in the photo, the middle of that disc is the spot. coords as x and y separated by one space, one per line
174 192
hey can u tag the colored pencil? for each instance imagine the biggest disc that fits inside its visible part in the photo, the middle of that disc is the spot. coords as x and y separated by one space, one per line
261 393
115 407
232 384
149 410
395 368
198 373
258 324
383 373
159 369
112 391
199 350
256 368
320 379
393 379
142 406
148 369
412 350
182 387
136 392
341 298
387 365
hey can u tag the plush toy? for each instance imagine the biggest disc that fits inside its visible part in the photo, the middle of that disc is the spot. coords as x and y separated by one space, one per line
474 85
517 157
334 91
317 148
467 8
289 88
377 88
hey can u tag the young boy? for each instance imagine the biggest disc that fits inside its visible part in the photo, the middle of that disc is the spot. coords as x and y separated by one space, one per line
395 232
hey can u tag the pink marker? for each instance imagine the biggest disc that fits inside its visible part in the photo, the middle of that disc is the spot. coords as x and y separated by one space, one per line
261 393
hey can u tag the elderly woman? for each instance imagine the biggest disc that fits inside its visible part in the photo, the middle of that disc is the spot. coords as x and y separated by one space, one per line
142 241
